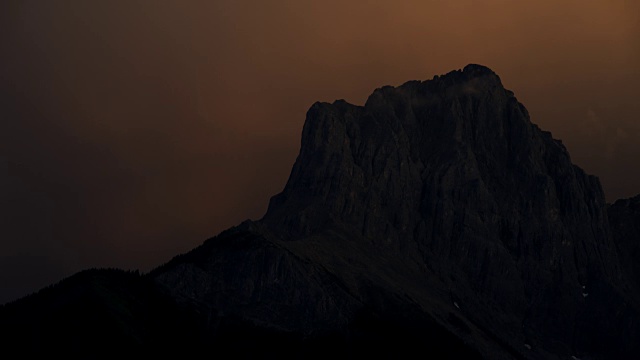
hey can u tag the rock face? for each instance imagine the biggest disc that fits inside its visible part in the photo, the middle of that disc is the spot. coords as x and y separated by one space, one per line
440 197
624 217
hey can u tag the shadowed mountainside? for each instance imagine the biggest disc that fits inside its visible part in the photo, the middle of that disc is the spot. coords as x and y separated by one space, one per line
436 216
624 217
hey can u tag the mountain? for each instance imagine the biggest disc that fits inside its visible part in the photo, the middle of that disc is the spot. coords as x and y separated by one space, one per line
435 218
97 313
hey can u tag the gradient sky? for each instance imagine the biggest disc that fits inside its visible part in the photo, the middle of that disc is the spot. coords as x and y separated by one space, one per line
134 130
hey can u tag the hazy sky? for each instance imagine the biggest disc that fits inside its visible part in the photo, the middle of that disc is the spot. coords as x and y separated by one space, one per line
134 130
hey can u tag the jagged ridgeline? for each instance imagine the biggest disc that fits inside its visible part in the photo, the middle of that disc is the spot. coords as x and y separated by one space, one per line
436 218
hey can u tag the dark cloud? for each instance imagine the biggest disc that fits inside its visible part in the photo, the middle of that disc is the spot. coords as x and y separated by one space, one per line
133 131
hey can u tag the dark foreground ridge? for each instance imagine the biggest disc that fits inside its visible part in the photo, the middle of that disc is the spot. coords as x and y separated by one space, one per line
435 218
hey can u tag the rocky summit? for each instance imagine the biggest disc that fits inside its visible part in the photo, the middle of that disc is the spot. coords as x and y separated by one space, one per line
435 218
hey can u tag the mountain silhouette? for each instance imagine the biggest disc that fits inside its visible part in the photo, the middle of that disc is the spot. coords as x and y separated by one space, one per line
436 218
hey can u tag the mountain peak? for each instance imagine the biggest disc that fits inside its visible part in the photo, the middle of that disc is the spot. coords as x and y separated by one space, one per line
477 70
465 116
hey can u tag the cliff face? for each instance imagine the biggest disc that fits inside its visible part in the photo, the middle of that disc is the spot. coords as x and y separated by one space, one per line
453 169
439 195
624 217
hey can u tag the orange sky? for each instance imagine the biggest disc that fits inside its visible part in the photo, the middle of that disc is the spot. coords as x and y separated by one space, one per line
134 130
